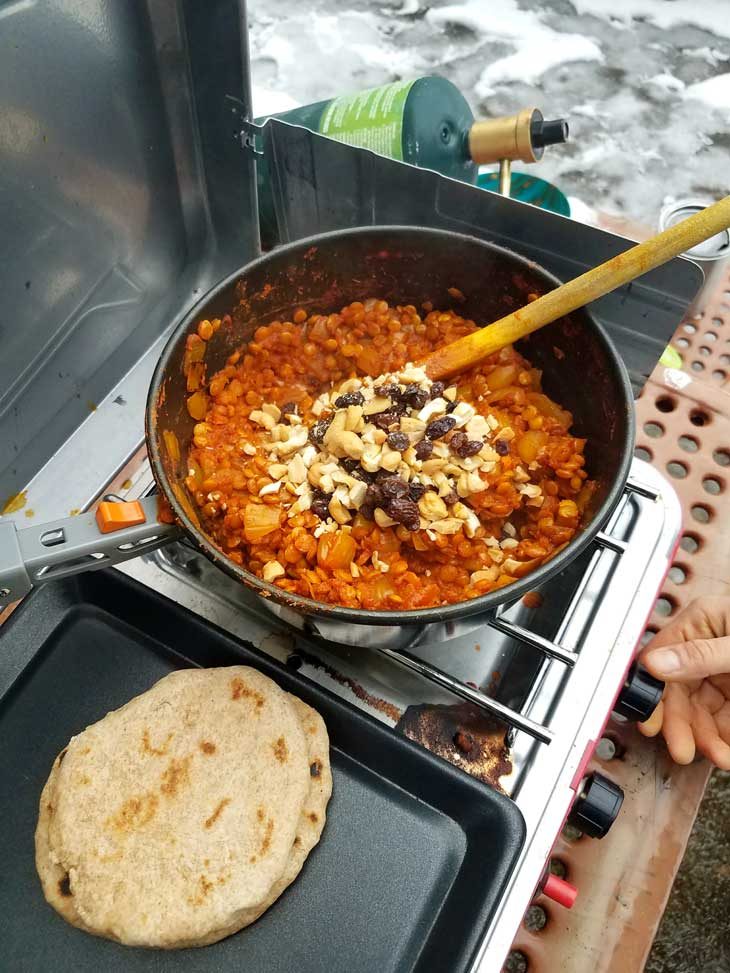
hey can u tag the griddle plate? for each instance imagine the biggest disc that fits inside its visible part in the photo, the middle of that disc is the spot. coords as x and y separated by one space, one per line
412 860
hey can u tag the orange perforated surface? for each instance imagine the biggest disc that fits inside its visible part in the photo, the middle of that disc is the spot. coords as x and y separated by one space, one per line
686 434
704 342
624 881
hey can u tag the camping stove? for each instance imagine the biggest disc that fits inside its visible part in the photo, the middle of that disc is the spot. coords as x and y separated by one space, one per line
551 668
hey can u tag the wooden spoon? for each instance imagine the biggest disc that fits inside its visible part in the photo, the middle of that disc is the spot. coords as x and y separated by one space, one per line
472 348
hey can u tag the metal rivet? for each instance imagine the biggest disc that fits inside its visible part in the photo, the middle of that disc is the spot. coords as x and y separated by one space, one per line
664 606
700 513
689 543
605 749
535 918
677 470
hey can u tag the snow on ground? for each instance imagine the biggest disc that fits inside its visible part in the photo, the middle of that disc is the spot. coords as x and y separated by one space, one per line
538 48
714 92
710 15
645 84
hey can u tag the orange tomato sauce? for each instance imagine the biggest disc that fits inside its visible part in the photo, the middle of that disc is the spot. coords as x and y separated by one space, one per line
294 361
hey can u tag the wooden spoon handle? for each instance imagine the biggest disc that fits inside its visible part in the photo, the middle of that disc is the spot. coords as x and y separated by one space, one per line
472 348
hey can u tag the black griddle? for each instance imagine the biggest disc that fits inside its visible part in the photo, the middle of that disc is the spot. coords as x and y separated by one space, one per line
412 861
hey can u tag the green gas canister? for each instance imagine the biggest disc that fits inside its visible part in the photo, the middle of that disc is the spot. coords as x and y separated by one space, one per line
426 122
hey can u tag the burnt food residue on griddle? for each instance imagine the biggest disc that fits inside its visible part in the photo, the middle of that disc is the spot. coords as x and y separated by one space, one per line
463 735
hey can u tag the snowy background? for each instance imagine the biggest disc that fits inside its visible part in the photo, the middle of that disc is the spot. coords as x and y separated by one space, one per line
645 84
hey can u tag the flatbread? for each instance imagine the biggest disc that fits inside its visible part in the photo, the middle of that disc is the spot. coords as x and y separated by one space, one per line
311 821
175 816
54 878
314 811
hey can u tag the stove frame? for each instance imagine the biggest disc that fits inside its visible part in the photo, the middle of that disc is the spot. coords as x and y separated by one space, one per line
562 664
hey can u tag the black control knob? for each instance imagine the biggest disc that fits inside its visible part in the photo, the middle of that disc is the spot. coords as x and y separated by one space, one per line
597 806
640 695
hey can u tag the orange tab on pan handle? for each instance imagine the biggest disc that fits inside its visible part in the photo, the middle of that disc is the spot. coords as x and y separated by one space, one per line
115 516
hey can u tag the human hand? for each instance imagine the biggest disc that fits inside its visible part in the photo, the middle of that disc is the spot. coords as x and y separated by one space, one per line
692 655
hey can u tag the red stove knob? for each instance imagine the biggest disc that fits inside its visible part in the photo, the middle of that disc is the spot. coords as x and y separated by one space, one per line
560 891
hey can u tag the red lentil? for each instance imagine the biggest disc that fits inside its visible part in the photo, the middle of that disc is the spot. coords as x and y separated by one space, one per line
362 564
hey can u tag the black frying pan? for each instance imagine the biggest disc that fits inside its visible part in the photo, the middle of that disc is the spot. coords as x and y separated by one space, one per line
402 265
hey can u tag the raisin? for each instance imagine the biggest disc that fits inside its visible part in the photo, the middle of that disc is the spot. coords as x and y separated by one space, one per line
320 508
424 449
439 427
382 475
349 465
415 396
468 448
405 512
319 430
360 474
413 522
289 408
384 420
373 495
399 408
502 447
320 504
458 440
394 488
451 498
416 491
367 510
399 441
349 398
437 389
450 406
389 391
473 447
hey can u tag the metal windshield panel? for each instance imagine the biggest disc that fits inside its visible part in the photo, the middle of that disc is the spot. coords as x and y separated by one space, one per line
319 184
124 196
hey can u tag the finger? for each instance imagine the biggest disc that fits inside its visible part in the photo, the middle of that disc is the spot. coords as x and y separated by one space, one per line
708 740
709 697
722 722
710 616
696 659
702 618
677 725
722 683
652 726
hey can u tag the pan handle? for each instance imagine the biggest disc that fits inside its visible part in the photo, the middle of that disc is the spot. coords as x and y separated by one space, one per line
115 532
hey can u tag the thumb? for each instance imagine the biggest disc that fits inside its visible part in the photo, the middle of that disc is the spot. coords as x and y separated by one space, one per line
696 659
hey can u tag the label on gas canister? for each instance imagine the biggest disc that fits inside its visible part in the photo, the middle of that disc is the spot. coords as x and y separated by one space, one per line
369 119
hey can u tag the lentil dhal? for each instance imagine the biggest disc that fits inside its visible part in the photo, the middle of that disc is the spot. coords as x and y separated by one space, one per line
390 492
